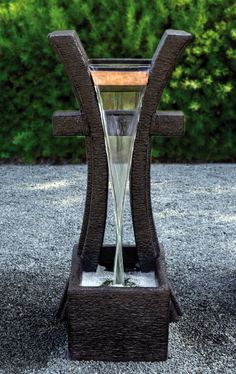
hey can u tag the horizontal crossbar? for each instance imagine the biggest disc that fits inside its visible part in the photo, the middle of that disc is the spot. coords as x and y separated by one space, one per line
168 124
74 123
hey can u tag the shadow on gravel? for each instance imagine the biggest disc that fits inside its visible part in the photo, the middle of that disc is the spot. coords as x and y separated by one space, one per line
30 332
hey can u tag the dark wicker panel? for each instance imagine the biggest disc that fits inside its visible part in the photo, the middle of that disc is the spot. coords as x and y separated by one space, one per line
163 62
72 54
118 324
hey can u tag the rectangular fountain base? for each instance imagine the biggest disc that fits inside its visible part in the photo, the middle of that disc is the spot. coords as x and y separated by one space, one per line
118 323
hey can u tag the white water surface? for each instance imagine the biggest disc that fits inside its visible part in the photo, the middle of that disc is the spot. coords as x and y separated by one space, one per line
96 279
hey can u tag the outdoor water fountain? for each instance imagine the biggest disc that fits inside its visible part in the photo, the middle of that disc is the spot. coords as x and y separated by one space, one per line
118 100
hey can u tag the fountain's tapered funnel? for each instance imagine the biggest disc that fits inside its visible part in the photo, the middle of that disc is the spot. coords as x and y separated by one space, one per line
119 89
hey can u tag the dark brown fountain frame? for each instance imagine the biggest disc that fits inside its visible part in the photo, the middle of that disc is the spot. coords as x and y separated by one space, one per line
90 250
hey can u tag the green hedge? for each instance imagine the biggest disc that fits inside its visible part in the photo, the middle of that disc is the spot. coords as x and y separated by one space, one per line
33 83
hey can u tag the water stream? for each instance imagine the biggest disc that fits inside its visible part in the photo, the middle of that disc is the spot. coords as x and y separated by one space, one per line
119 129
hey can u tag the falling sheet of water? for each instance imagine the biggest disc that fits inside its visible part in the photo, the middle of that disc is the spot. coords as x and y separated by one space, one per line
119 129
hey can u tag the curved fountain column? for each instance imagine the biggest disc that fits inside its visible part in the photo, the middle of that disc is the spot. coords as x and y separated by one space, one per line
164 59
74 58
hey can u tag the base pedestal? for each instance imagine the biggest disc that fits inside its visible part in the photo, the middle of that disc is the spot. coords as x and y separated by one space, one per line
118 324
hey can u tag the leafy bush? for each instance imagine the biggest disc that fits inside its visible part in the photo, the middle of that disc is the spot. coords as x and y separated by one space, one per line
33 83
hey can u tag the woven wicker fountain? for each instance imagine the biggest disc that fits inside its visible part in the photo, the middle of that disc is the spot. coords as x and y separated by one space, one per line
118 321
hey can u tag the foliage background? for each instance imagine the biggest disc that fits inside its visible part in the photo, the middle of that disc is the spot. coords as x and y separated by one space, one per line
33 83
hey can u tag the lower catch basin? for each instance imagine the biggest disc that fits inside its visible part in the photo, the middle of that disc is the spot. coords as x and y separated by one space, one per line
118 323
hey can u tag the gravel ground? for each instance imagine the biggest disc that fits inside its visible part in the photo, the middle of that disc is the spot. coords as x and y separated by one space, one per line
41 214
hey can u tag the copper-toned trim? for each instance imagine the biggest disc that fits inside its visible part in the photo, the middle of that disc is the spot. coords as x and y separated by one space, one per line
120 78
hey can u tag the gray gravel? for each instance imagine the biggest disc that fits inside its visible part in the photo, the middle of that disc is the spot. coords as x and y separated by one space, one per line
41 213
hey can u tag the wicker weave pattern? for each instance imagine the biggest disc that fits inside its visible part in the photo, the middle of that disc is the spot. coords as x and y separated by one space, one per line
118 324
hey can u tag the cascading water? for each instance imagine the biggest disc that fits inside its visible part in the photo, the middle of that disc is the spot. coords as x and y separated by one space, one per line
119 107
